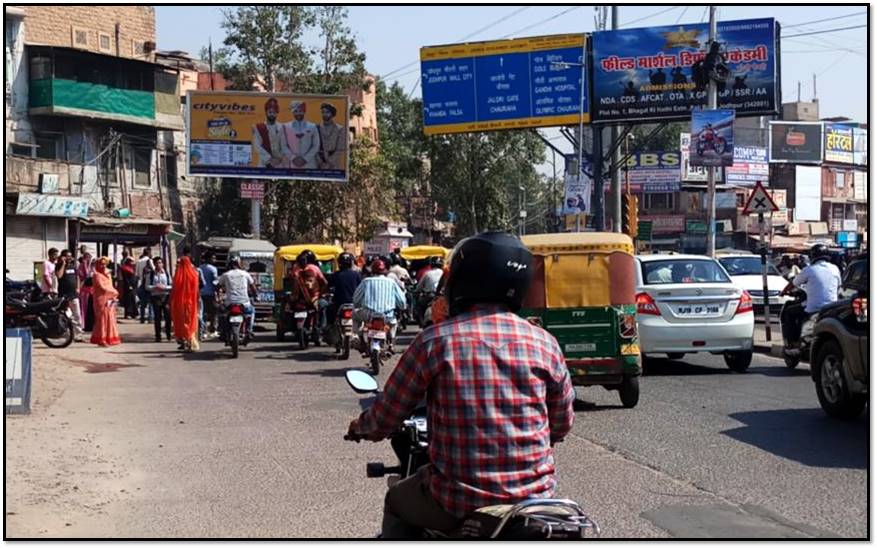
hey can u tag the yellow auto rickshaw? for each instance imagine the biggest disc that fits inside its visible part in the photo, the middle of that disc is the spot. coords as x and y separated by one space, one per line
421 252
583 293
284 259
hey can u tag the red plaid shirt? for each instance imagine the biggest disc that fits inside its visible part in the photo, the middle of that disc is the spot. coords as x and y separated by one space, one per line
498 393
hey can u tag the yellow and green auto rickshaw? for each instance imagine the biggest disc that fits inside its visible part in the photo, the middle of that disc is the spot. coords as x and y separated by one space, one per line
583 293
284 259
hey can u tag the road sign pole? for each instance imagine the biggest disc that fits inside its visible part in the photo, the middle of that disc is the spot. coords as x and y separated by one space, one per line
712 102
765 296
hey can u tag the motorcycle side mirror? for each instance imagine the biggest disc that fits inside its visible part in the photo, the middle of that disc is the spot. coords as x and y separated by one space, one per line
361 382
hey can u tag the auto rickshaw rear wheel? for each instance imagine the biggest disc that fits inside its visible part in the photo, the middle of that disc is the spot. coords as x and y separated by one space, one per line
629 391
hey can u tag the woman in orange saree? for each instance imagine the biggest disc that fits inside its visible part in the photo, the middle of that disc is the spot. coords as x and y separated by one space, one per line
185 296
105 299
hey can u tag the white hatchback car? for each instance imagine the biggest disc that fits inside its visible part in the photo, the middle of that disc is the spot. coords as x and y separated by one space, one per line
688 303
745 270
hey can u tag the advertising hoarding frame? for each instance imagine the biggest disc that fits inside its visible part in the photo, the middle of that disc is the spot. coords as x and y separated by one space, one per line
681 116
263 96
723 119
471 51
836 154
770 158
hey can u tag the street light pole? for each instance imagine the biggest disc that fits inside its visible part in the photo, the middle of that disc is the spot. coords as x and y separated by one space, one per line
581 136
712 103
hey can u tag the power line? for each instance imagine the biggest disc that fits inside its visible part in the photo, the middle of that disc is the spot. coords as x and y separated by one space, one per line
528 27
662 12
681 15
825 20
470 35
824 31
705 10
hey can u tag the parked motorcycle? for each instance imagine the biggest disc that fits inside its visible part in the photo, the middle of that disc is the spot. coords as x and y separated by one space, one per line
375 339
531 519
235 328
795 354
49 320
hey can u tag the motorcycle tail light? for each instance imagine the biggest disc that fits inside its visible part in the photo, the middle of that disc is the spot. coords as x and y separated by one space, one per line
346 314
860 309
745 304
645 304
377 324
235 310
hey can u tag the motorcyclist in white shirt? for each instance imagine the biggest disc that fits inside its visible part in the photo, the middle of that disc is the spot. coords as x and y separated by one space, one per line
822 282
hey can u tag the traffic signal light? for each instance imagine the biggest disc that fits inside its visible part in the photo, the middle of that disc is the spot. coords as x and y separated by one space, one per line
629 215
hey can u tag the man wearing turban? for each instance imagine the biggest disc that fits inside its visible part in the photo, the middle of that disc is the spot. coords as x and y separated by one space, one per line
332 140
302 138
269 139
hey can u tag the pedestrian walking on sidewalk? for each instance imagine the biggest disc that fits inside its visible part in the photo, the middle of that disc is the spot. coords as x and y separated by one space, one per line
128 285
159 287
68 286
105 300
184 303
143 267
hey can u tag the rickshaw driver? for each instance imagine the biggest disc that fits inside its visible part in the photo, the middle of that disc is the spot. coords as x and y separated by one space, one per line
483 357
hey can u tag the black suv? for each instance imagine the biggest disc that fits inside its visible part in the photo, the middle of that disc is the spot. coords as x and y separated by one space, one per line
839 355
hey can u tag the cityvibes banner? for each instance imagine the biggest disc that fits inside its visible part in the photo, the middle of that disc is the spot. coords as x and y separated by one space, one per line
257 135
651 73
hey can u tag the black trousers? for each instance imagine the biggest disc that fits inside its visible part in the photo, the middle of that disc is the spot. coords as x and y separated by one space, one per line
792 320
161 310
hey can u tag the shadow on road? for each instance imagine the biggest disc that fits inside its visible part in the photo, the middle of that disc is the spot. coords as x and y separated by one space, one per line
303 356
779 371
666 367
807 436
329 373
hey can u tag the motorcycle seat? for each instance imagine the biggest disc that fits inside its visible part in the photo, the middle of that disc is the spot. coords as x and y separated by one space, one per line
39 306
531 523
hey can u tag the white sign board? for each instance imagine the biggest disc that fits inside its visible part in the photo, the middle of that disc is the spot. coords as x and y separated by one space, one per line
759 201
860 185
43 205
577 194
808 193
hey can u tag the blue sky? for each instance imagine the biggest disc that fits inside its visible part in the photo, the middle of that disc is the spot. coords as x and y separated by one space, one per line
391 37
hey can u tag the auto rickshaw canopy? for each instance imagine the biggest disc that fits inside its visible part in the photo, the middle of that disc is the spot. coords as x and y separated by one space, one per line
583 269
419 252
289 253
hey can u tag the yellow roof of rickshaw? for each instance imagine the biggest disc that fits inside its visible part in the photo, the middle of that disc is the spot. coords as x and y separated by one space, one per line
323 252
417 252
578 242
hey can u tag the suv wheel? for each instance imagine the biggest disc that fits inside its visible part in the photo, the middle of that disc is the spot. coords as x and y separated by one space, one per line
831 385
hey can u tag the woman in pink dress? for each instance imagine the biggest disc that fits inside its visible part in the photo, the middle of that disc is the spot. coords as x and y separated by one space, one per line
105 299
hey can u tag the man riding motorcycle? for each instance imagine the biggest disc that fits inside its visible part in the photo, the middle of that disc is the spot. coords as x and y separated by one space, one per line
237 284
307 260
427 286
377 294
499 390
343 284
821 281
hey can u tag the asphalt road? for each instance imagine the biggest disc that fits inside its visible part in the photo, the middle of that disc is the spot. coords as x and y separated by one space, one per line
253 448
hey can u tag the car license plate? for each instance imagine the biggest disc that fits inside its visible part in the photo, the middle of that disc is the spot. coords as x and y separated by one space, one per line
266 296
346 322
699 310
300 315
376 345
236 319
377 334
586 347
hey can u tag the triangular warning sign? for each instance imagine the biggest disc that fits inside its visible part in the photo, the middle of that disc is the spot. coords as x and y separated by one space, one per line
759 201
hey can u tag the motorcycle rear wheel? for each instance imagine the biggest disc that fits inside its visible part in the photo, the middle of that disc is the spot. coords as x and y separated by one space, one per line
302 339
375 359
345 348
235 342
65 328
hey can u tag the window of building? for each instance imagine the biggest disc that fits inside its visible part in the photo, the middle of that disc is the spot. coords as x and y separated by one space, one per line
142 163
659 200
104 42
839 179
79 37
50 146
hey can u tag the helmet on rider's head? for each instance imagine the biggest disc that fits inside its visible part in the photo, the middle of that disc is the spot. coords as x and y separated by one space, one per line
379 267
345 261
395 259
305 258
491 267
436 262
819 251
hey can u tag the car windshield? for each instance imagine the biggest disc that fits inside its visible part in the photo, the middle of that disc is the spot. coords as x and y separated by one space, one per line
746 266
683 271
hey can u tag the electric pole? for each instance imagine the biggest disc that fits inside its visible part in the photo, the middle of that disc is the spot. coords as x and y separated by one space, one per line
712 103
616 173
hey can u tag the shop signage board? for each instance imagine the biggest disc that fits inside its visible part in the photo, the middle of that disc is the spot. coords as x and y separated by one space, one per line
795 142
51 205
838 145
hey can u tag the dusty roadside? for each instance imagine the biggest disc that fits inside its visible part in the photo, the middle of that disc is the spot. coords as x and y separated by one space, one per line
60 472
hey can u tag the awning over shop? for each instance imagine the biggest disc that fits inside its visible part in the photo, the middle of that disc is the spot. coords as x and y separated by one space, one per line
131 231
